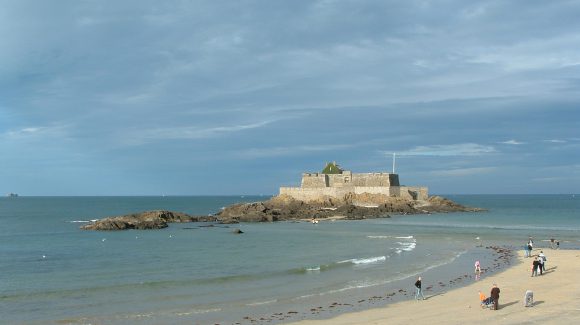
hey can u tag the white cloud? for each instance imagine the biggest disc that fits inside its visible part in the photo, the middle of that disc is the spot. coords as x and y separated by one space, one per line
464 171
461 149
290 151
513 142
34 132
192 132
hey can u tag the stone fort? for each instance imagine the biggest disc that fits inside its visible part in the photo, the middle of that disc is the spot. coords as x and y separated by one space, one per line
334 182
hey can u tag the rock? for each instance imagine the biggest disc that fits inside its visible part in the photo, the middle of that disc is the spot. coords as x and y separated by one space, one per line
351 207
145 220
237 231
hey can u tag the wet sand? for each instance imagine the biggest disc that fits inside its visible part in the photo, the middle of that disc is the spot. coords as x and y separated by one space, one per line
556 296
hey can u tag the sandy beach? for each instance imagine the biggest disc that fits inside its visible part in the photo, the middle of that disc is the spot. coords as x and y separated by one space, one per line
556 298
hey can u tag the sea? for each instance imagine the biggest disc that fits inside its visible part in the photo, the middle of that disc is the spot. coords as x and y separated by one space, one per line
52 272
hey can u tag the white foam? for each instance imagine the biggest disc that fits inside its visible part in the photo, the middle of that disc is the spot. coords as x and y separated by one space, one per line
378 237
405 237
407 247
359 261
313 268
79 221
258 303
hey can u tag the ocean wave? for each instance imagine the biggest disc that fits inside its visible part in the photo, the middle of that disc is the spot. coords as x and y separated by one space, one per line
259 303
359 261
82 221
487 226
407 247
313 268
387 237
366 284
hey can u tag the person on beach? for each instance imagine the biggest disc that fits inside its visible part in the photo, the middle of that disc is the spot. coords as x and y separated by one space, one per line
557 244
495 296
552 243
535 266
418 291
530 245
526 250
477 268
542 258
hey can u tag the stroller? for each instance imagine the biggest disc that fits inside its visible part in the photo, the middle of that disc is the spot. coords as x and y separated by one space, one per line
487 303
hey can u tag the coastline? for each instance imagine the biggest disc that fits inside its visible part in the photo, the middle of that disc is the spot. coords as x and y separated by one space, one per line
555 294
325 308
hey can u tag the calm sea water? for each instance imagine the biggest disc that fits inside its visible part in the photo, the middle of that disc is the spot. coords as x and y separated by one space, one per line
51 271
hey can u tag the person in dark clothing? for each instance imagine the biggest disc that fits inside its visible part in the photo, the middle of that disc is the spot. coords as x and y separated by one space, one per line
418 291
535 266
495 296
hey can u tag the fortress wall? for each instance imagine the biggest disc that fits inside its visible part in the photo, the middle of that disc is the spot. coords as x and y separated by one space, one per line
311 194
371 179
340 180
372 190
314 180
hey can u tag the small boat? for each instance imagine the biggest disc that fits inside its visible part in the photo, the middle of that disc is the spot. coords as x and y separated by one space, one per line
12 195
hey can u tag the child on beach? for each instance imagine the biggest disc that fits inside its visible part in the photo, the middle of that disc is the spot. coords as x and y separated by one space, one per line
477 268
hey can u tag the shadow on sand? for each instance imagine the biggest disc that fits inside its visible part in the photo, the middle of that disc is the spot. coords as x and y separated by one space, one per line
502 306
435 295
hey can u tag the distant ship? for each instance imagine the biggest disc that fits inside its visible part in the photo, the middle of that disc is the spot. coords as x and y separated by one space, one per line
12 195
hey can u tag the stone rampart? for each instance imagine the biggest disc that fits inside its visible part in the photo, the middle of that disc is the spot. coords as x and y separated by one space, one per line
314 180
317 186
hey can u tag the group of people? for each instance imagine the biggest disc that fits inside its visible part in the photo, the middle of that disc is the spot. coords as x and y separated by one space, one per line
528 248
539 264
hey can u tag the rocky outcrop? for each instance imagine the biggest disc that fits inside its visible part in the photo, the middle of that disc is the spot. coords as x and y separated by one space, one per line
145 220
283 208
441 204
351 207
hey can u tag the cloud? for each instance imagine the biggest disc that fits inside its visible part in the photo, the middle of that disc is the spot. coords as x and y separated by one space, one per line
290 151
191 132
462 149
459 172
512 142
34 132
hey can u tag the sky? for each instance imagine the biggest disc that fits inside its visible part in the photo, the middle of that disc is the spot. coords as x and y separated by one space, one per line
140 97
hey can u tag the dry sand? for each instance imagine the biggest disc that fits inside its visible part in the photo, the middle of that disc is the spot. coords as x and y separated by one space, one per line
556 296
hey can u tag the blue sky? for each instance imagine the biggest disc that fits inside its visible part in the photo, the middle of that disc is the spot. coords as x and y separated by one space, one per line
239 97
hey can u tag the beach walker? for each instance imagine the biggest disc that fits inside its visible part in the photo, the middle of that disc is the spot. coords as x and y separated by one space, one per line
529 299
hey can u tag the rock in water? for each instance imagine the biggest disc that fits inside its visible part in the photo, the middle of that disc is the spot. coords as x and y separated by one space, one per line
283 207
145 220
237 231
